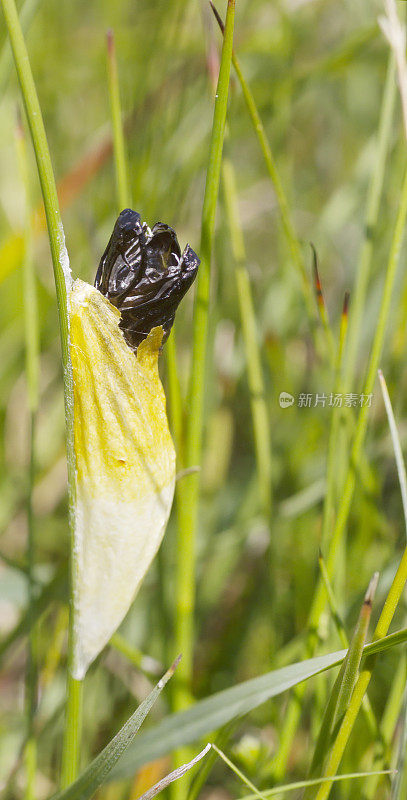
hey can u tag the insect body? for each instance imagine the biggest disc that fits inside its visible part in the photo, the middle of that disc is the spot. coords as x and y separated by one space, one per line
143 273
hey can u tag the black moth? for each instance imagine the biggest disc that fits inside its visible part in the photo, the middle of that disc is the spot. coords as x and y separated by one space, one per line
144 275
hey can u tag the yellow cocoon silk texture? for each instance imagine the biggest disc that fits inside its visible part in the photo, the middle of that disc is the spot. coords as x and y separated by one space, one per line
125 468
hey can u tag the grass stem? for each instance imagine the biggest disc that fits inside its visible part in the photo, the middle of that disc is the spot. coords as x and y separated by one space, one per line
189 487
63 280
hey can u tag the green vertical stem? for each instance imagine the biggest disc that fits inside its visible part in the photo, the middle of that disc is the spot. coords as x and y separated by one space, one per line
120 160
32 371
63 280
189 486
72 733
260 417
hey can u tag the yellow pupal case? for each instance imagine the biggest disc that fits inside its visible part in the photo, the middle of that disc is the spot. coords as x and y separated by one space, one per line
125 468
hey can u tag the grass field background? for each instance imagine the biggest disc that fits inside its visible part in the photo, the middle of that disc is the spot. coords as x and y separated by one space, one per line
317 70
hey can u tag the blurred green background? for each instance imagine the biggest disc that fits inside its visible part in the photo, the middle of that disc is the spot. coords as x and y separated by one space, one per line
317 71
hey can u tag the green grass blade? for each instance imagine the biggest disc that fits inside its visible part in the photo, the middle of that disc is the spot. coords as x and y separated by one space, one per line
98 771
189 487
210 714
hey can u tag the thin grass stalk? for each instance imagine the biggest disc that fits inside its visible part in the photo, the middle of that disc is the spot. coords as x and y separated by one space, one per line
189 486
371 216
239 773
363 681
318 604
62 275
32 372
119 147
283 205
260 416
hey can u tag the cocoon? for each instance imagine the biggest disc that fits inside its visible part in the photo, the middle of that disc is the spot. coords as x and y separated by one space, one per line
125 468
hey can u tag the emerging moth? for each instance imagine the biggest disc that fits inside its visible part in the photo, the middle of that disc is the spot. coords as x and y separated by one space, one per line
125 458
143 274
